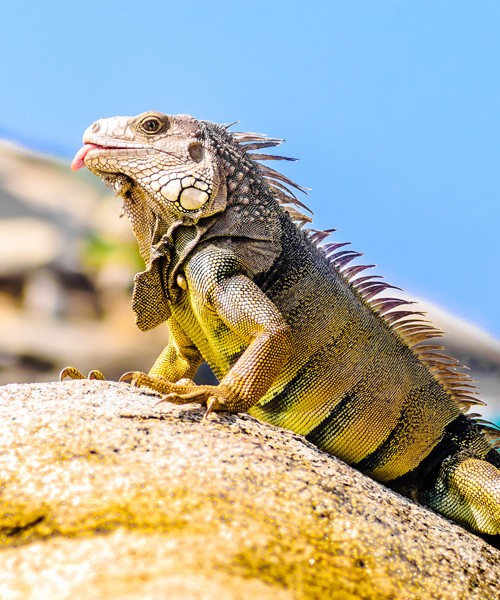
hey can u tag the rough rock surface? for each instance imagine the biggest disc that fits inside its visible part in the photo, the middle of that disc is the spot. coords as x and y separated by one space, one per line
102 495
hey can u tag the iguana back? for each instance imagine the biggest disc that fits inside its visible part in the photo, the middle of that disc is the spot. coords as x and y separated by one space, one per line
297 335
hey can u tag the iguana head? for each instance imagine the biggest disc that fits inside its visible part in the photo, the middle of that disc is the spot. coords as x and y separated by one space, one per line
176 170
166 156
163 166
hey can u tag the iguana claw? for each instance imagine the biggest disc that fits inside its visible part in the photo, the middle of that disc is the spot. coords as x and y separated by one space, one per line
211 404
128 376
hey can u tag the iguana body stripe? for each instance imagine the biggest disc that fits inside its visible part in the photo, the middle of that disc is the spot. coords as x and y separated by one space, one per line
296 334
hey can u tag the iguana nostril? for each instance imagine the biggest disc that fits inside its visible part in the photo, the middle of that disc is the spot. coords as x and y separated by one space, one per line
96 126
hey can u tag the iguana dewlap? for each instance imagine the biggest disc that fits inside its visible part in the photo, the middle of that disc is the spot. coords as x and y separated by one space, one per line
296 335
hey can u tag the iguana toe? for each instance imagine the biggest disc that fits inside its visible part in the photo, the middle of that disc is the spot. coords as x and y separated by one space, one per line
153 382
70 373
96 374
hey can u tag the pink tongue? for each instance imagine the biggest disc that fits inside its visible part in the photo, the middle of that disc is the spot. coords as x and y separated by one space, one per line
79 160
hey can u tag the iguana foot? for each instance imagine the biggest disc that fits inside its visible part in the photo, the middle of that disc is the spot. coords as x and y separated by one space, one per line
73 373
185 391
207 395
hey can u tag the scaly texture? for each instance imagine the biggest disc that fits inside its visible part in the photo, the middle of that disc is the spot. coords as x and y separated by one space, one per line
296 336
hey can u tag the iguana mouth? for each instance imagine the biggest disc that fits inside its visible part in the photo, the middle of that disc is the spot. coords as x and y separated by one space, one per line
118 182
79 160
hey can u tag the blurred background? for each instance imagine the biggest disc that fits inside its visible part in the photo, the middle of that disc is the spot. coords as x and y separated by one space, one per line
392 108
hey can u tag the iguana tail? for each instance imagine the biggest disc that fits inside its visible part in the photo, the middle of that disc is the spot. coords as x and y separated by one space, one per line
467 488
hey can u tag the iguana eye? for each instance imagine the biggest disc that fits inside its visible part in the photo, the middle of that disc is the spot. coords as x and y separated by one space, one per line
151 125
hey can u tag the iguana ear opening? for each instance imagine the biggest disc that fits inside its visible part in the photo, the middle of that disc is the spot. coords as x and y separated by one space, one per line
196 152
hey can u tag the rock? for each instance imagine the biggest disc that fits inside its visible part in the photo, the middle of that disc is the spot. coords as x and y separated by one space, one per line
105 495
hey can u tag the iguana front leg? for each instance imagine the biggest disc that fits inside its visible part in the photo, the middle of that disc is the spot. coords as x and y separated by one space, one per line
217 286
216 283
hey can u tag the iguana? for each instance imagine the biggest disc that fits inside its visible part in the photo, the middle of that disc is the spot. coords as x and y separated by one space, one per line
297 335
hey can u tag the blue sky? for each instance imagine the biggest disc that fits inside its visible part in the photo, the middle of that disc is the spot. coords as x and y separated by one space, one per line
393 107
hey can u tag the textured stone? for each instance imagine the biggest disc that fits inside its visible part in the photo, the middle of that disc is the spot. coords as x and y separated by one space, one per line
105 496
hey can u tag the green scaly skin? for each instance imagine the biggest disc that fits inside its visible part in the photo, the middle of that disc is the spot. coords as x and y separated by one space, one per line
296 337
